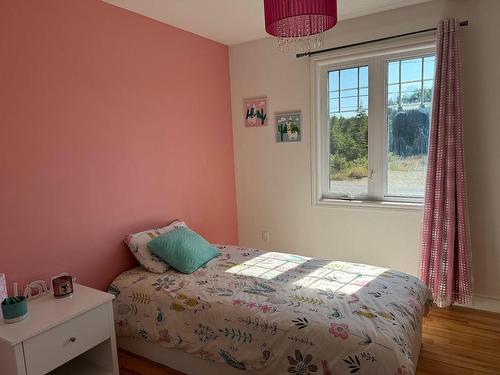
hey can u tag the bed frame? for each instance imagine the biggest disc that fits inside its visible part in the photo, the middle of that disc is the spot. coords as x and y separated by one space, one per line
189 364
176 358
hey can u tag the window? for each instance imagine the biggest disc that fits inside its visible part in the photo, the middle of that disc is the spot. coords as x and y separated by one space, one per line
372 115
348 128
409 99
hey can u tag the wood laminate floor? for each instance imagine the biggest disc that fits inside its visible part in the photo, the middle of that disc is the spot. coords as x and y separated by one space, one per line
456 341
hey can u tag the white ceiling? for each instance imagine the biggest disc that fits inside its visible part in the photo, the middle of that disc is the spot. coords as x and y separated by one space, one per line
236 21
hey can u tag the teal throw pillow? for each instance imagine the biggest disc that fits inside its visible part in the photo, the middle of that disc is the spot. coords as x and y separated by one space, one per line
183 249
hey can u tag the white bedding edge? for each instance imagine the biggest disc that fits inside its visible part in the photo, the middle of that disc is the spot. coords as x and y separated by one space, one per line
189 364
176 359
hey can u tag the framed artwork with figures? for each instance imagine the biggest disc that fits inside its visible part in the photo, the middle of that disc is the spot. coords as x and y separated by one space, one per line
255 112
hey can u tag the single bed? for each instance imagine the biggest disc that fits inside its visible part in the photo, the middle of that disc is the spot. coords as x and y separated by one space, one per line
273 313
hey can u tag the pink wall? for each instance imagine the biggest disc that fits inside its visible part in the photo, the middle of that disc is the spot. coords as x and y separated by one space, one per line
110 123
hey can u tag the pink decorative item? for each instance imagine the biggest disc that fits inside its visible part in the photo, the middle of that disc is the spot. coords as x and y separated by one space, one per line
300 21
446 254
255 112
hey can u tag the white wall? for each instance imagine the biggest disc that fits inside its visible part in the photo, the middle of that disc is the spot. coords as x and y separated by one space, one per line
274 180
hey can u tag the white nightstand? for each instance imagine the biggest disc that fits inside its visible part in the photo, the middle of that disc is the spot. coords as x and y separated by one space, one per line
69 336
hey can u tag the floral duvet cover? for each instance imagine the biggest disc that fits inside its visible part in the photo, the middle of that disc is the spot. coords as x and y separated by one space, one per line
276 313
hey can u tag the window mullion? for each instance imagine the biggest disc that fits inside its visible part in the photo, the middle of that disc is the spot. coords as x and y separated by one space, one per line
376 133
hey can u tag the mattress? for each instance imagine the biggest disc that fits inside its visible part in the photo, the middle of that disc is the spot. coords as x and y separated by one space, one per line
277 313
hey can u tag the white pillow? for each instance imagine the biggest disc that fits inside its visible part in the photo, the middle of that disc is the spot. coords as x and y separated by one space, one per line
138 245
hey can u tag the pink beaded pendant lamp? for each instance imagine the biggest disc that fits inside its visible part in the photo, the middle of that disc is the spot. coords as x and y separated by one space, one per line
299 24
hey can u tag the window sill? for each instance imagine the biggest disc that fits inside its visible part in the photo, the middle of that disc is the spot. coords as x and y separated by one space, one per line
370 205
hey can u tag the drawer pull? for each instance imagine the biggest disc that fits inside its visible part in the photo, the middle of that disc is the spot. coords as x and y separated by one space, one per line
72 339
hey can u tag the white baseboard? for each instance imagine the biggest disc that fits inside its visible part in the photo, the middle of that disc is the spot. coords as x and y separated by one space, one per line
485 303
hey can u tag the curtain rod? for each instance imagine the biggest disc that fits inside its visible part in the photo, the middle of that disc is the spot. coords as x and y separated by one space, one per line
298 55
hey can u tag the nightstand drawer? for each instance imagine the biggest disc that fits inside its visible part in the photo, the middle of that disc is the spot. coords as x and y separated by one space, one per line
64 342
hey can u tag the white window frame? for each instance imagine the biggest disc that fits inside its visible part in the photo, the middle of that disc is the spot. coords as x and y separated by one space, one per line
376 58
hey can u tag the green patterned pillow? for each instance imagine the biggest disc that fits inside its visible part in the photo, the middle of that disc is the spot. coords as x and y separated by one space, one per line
183 249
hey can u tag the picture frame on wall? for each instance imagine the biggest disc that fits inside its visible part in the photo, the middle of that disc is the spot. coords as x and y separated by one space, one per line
255 112
288 126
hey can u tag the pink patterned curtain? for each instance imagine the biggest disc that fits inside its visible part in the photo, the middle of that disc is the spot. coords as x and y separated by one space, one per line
446 254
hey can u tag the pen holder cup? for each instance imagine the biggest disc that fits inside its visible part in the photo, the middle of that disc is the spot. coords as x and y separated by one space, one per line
14 309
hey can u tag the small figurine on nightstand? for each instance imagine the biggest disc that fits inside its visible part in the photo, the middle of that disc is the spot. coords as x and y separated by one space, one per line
62 286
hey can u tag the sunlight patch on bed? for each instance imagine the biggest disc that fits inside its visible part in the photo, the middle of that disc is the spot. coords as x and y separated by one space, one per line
268 266
334 276
340 277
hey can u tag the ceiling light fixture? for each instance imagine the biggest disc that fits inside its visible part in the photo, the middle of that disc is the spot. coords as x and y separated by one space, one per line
299 24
